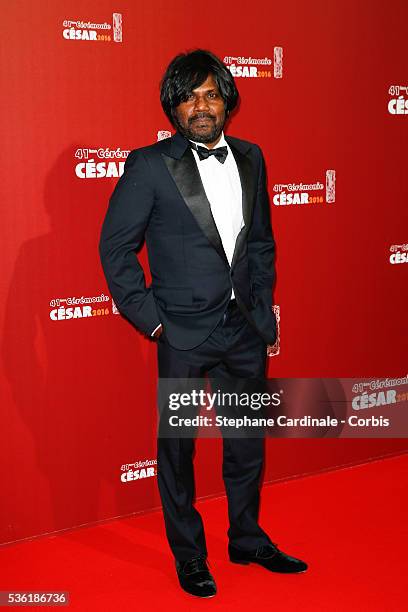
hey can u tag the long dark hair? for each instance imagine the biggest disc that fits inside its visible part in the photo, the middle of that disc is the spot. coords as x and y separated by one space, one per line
188 71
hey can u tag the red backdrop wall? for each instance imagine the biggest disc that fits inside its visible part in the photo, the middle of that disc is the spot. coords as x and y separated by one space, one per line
78 394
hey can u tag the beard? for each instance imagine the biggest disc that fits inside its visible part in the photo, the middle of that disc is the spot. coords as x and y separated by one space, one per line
203 136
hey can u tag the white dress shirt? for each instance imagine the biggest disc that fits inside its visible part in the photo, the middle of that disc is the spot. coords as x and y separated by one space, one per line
222 186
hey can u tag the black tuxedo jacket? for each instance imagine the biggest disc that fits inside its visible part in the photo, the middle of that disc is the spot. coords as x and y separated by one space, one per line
160 198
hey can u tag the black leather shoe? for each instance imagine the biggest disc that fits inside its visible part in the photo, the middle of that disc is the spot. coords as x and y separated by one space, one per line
270 557
195 578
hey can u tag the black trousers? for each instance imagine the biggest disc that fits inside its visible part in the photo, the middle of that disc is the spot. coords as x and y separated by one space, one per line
233 349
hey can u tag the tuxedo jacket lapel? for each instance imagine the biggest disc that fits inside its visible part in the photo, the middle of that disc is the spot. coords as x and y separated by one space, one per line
246 175
187 178
182 166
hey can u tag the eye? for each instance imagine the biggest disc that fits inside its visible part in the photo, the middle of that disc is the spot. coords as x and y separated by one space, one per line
190 96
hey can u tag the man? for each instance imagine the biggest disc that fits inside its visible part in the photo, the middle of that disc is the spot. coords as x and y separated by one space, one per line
200 201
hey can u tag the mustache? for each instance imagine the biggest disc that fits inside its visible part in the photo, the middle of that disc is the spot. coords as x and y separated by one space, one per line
201 116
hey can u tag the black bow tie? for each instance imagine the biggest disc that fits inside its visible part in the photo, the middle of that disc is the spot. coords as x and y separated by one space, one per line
203 153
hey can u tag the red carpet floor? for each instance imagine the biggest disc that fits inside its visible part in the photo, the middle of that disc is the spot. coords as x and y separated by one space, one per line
349 525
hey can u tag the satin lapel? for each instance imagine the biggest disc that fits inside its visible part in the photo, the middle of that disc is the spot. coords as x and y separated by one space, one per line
187 178
246 174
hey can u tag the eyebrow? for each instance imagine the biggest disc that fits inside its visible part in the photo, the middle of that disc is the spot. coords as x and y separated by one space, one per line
206 90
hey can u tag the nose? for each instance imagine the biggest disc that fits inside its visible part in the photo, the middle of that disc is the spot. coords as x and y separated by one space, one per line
201 104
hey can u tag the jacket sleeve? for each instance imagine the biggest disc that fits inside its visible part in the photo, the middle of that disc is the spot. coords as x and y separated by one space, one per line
122 234
261 245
